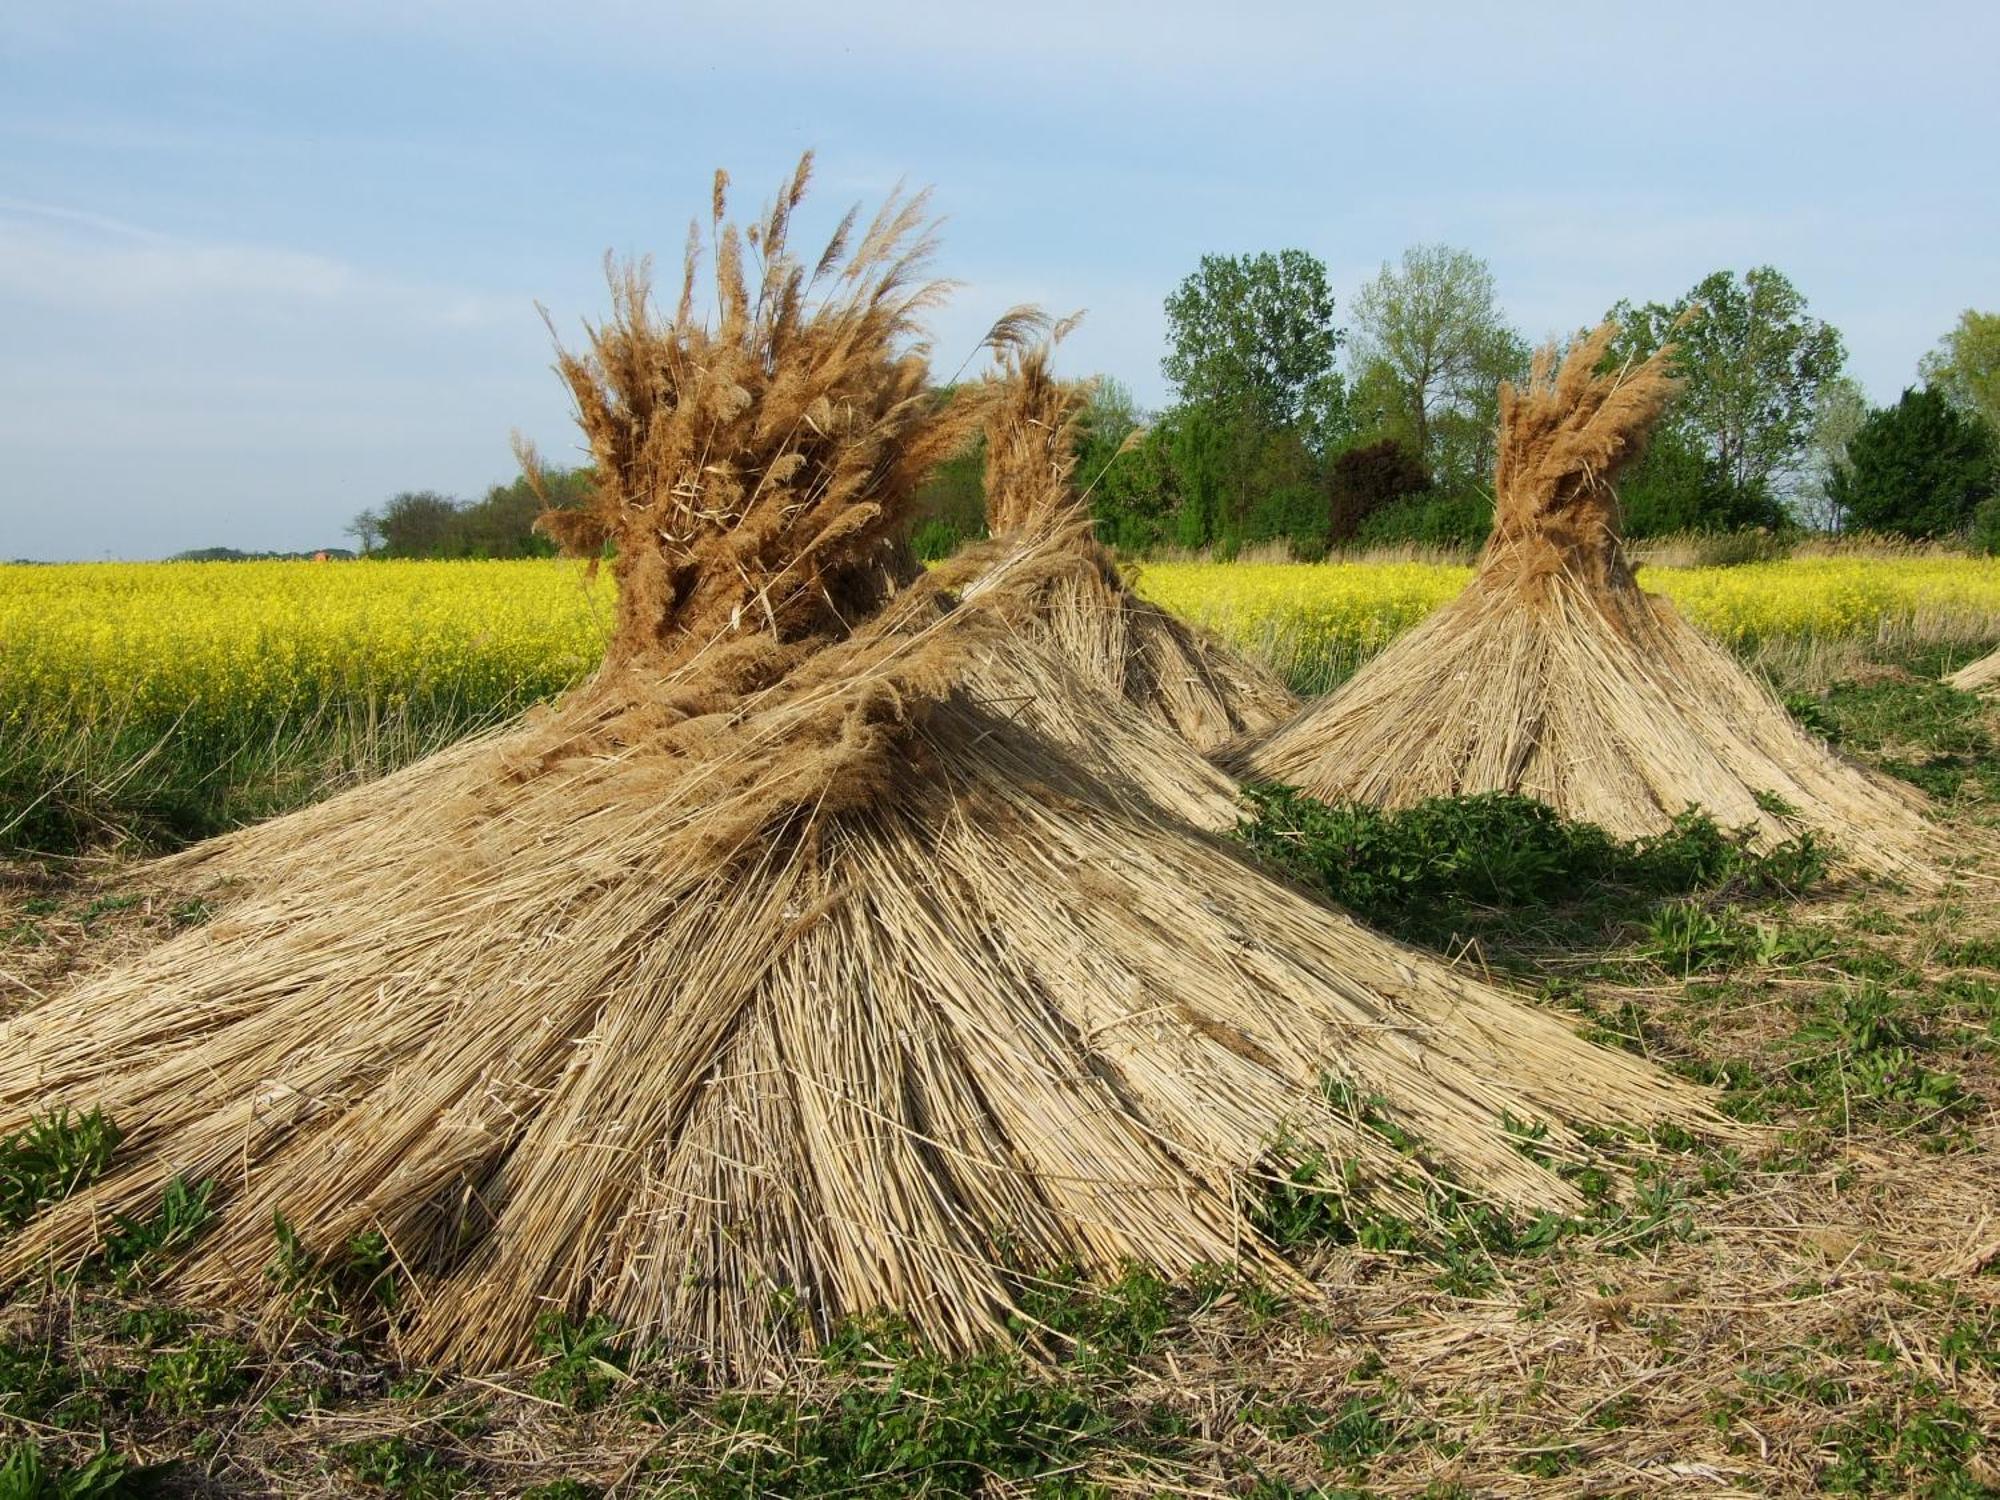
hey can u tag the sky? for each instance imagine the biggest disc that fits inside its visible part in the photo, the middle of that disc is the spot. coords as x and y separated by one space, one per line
263 266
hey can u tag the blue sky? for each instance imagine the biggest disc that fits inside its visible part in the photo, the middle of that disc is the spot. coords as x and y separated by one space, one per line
262 265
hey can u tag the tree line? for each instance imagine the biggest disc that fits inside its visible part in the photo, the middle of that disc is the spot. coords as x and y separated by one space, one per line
501 523
1289 425
1285 426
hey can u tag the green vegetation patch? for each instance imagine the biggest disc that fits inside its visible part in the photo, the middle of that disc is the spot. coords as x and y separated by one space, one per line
1498 865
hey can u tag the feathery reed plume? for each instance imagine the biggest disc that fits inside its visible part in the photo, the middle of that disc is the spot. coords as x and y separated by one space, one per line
1978 676
1555 675
1171 672
747 463
796 962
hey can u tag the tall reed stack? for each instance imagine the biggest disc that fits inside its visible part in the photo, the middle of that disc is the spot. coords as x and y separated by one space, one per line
837 948
1556 676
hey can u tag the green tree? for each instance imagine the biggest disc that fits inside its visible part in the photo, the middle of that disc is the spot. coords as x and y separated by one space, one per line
1966 366
1108 421
366 529
1253 335
421 523
1679 485
1920 468
1369 477
424 523
1208 448
1428 353
502 522
1134 500
1753 361
1838 414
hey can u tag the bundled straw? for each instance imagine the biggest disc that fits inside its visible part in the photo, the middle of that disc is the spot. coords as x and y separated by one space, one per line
1556 676
1978 676
1172 673
744 471
826 966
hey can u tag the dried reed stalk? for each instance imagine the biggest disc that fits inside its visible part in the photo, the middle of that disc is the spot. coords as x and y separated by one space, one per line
1174 674
794 968
1556 676
1978 676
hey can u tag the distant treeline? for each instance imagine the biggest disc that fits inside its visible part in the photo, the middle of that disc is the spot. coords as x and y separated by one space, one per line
233 554
425 523
1287 428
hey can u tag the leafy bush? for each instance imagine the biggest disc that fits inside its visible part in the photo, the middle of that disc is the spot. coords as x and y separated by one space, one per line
1424 871
1294 513
1920 468
1677 486
1435 519
1986 528
1368 479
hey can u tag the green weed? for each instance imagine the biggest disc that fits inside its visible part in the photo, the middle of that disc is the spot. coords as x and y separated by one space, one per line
136 1247
49 1158
1506 867
585 1364
204 1374
26 1475
933 1428
399 1467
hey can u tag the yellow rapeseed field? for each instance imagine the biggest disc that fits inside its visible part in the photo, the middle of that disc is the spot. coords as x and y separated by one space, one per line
239 645
1308 617
236 645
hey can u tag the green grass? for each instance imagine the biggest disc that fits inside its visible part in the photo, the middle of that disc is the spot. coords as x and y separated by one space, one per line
1935 737
1506 869
67 789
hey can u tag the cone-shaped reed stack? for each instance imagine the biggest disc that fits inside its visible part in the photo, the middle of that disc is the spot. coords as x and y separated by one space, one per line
798 966
1556 676
1979 676
1172 673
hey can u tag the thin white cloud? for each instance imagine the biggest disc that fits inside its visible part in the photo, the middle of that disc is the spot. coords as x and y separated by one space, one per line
54 254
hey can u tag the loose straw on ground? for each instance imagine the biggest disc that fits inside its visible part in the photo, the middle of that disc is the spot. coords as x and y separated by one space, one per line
1979 676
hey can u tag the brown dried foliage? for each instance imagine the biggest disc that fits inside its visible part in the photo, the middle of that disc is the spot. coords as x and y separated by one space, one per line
753 473
1979 676
793 960
1564 437
1031 434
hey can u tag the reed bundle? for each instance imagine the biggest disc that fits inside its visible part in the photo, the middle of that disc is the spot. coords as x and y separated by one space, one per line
804 963
1556 676
1171 672
1978 676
